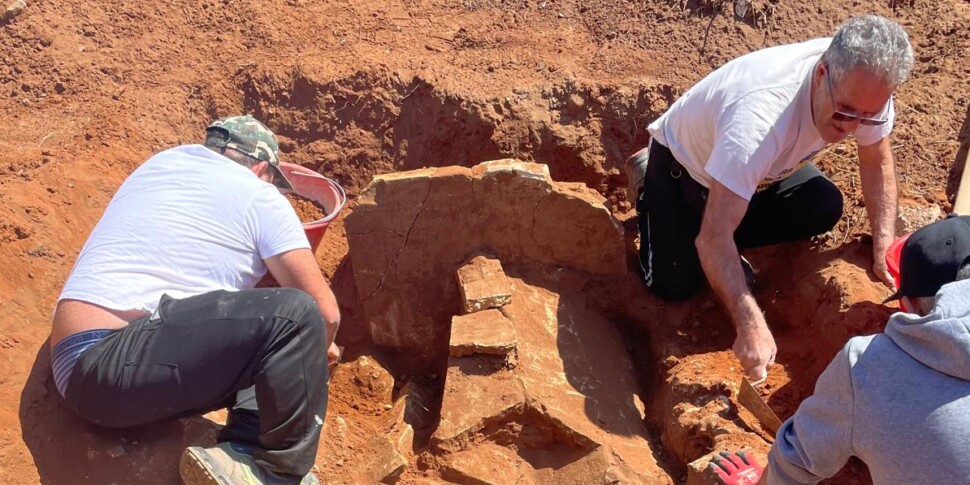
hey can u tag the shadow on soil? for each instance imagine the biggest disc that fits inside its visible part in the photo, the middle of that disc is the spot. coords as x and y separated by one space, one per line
67 451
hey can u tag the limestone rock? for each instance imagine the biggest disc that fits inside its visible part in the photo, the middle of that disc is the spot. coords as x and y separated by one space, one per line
487 332
14 9
699 473
914 215
488 464
401 432
410 231
474 397
483 284
385 464
375 379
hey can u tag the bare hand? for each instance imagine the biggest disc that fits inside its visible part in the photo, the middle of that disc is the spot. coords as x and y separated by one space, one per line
882 271
333 354
755 348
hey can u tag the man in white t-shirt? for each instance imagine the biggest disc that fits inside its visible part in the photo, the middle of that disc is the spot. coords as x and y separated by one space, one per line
159 318
728 165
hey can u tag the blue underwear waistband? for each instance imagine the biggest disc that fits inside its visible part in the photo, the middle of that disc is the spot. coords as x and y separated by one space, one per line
67 352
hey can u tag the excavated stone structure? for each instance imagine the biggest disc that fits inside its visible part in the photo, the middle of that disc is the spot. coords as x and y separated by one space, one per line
559 412
410 231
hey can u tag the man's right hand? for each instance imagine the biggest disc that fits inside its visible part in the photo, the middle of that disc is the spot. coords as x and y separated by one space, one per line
755 348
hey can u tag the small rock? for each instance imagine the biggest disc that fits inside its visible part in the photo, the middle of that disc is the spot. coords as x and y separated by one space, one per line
575 104
14 9
116 451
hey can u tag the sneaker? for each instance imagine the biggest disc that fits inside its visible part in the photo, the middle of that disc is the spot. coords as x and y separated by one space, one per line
230 464
635 168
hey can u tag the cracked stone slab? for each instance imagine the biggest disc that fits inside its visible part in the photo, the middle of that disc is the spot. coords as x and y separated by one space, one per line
486 332
488 464
410 231
483 284
475 396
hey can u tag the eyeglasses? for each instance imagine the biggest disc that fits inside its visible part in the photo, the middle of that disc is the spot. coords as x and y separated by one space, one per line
848 117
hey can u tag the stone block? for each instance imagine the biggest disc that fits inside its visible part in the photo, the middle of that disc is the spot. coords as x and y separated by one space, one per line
385 465
699 473
486 332
483 284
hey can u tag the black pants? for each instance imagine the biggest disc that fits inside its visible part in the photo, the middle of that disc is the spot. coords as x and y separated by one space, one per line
671 206
196 354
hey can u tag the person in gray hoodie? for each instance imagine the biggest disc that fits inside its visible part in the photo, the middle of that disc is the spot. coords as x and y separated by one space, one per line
899 400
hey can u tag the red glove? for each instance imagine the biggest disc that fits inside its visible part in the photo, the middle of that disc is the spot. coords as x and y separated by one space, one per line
736 469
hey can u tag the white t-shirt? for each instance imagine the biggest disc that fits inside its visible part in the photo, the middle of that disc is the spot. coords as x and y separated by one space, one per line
186 222
749 123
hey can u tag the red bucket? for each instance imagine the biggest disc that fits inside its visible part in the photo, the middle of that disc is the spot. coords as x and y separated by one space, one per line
325 192
892 263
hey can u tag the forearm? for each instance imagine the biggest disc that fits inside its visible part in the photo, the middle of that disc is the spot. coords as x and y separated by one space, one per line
879 190
327 303
721 263
298 269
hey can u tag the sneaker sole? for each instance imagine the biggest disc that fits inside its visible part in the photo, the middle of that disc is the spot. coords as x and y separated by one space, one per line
197 470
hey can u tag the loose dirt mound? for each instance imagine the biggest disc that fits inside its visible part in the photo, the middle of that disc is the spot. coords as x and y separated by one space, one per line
90 89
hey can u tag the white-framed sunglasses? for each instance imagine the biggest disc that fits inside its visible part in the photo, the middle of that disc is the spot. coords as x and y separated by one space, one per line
848 117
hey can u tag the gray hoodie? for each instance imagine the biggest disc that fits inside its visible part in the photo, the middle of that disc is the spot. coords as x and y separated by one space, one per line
900 401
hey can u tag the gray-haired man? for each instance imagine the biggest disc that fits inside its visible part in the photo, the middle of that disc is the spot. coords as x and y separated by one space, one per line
728 165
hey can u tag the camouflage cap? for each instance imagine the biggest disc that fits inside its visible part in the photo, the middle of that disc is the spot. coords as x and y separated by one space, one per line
247 135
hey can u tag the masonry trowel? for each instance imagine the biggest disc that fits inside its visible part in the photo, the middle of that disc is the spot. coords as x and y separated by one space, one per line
749 397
